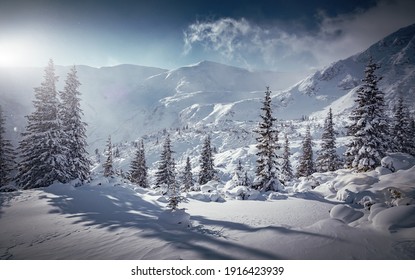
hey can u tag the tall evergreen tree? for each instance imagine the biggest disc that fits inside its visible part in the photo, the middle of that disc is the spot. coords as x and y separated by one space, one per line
267 169
166 173
369 129
188 176
138 173
43 154
328 159
286 168
70 115
207 169
411 135
306 164
108 164
7 160
401 138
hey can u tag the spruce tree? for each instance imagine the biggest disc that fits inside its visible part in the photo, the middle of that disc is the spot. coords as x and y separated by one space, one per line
411 135
306 164
138 173
43 153
70 115
328 159
368 130
207 169
286 168
165 175
267 169
238 177
7 160
401 138
188 176
108 164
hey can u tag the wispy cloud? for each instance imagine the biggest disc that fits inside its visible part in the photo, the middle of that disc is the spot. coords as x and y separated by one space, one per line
252 45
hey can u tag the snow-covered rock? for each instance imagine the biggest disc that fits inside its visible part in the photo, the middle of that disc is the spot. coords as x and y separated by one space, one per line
345 213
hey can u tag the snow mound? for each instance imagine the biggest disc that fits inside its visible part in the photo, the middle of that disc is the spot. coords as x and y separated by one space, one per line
177 217
395 218
398 161
345 213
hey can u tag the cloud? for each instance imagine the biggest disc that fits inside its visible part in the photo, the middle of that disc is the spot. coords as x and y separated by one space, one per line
254 46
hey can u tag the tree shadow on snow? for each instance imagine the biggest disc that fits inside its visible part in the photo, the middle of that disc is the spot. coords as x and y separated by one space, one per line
5 197
123 208
119 208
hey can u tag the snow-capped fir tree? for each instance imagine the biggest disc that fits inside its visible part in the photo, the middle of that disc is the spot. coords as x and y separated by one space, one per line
327 158
238 177
108 164
306 164
7 159
369 130
207 169
267 169
188 176
43 155
286 168
165 174
411 133
138 168
70 115
401 138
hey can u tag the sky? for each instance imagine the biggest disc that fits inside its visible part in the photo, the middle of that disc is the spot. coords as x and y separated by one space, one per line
277 35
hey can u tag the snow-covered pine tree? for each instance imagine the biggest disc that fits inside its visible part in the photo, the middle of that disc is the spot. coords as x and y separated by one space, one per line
286 168
138 173
328 159
369 129
70 115
188 176
207 169
166 174
267 169
411 135
306 164
43 155
401 138
108 164
238 177
7 159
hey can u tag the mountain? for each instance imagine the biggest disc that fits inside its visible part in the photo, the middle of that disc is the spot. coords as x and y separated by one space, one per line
129 101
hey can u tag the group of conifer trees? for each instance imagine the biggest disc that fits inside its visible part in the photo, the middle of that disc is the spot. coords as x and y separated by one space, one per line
53 145
370 132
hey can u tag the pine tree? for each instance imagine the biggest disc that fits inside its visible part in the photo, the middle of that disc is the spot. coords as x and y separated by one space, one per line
70 115
286 168
328 159
7 160
306 164
188 176
138 173
369 129
411 135
165 175
43 154
238 175
401 138
207 169
267 169
108 164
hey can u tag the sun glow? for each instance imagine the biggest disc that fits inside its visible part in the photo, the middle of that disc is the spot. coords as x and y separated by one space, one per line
15 53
